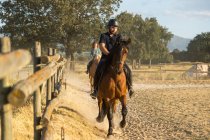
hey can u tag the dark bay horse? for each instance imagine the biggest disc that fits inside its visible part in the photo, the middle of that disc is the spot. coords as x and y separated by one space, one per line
113 85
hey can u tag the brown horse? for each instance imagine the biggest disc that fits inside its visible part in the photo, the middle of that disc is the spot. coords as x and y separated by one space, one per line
92 70
113 85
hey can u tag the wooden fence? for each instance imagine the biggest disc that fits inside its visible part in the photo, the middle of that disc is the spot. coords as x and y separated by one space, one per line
183 70
46 79
176 71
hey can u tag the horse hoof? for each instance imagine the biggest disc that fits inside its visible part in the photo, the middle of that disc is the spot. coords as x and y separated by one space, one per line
110 136
122 124
99 119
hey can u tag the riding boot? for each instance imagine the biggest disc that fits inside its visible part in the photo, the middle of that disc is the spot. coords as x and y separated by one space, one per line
129 81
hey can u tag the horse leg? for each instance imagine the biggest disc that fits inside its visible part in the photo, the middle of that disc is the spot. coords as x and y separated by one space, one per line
91 84
115 106
101 112
110 119
99 118
124 111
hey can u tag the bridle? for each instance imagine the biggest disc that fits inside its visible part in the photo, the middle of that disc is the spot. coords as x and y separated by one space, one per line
115 68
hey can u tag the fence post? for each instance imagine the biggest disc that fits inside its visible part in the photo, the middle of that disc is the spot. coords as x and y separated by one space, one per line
6 108
196 71
50 51
49 81
161 76
54 51
56 78
37 94
53 77
134 64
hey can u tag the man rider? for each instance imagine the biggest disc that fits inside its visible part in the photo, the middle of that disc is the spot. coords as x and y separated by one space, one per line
106 43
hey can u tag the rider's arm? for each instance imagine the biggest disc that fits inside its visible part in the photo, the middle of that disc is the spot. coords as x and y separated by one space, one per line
102 44
103 48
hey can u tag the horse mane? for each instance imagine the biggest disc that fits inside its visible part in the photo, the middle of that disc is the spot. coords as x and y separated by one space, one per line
120 41
116 46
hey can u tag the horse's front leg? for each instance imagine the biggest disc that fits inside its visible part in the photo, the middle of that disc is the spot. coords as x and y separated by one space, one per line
110 119
124 111
102 110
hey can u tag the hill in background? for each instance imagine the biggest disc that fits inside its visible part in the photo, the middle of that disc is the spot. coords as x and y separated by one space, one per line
178 42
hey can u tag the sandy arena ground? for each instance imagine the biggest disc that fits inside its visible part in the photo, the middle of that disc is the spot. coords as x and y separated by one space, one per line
156 111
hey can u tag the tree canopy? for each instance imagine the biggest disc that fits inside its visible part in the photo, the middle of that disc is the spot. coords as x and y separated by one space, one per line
199 48
74 24
69 22
149 39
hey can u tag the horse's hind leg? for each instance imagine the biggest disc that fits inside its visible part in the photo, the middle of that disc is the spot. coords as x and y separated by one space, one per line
124 111
91 84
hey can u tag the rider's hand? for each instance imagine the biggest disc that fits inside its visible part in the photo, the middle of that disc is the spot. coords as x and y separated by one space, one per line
107 53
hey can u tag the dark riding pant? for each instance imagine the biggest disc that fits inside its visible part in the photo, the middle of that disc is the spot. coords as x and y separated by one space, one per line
128 75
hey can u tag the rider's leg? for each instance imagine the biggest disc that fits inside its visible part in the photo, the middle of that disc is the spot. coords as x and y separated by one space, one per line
88 66
129 81
97 77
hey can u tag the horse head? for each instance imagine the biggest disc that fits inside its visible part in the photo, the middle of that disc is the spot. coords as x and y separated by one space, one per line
120 53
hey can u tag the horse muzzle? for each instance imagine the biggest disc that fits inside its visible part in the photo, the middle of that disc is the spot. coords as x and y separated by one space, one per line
119 69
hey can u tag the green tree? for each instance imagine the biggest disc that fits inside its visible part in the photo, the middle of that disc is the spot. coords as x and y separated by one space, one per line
199 48
71 23
131 25
156 39
149 39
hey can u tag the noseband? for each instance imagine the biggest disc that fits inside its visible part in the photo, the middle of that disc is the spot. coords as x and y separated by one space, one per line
115 67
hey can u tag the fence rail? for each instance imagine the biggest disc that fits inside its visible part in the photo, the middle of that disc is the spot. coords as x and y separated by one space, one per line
49 76
176 71
13 61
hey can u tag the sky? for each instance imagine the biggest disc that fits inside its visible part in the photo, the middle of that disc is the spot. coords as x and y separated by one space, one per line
185 18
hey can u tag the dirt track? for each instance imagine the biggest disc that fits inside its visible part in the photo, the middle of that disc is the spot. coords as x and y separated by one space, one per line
166 111
169 114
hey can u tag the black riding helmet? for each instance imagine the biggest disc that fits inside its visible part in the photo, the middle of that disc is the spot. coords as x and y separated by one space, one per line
113 22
